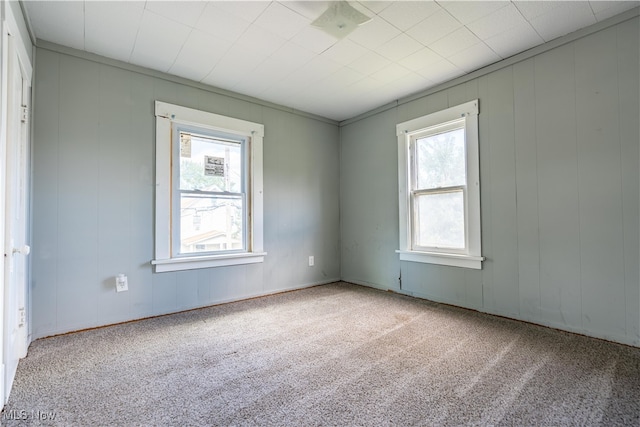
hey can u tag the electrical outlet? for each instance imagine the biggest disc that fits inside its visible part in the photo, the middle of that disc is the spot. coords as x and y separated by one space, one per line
121 283
311 261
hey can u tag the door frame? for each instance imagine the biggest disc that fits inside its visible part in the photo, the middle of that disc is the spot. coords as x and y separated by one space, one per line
13 48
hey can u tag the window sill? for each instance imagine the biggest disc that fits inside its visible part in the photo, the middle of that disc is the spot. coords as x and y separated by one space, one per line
190 263
453 260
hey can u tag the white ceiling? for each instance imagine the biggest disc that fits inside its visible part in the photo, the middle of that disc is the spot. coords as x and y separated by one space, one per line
268 50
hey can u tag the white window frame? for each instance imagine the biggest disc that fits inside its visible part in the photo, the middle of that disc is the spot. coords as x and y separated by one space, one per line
470 256
167 117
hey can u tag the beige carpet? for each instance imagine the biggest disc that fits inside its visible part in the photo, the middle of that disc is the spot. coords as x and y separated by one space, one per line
338 354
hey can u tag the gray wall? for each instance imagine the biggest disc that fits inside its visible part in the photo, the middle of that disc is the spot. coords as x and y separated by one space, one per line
559 174
559 142
93 198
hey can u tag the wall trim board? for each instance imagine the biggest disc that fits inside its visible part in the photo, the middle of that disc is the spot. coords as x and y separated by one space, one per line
414 294
519 57
630 14
378 286
616 339
200 307
53 47
27 21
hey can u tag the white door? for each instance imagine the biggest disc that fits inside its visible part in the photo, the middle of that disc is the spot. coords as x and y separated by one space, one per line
16 249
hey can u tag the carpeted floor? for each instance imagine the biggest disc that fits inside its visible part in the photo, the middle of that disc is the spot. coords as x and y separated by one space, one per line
337 354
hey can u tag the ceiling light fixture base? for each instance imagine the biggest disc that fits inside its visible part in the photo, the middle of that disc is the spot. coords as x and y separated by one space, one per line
340 19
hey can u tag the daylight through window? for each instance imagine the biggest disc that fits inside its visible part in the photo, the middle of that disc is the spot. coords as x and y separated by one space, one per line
208 189
439 188
211 199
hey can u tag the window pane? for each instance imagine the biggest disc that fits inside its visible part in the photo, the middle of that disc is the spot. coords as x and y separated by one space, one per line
440 160
210 165
440 220
209 224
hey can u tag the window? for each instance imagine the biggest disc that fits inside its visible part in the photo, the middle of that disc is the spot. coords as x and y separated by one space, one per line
208 190
439 188
211 194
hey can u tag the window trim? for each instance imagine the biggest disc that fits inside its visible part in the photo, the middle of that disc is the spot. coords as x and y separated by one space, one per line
471 257
166 116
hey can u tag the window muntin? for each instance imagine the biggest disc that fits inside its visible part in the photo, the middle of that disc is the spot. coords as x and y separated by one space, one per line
210 198
439 188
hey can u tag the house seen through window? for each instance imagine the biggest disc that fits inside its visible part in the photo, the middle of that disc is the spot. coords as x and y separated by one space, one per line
209 195
211 199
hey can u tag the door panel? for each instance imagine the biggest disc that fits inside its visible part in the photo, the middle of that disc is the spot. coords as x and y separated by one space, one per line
16 249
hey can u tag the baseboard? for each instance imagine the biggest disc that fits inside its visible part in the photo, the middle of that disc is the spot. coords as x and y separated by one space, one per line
540 322
73 330
625 340
371 285
601 336
259 295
